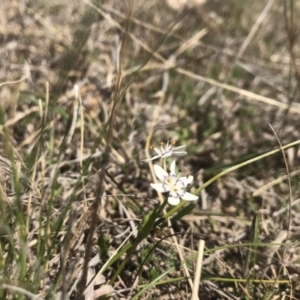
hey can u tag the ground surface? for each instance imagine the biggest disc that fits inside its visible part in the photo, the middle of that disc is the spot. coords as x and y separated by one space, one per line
213 76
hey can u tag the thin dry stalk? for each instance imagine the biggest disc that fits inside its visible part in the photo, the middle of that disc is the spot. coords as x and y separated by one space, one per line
198 270
101 175
254 29
294 108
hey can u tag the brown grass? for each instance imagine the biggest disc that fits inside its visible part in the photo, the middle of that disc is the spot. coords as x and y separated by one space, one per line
74 189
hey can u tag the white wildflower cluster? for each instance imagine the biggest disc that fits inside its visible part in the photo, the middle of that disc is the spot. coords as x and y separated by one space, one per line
168 151
170 180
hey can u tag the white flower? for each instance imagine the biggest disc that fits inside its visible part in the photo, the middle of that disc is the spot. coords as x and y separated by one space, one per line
173 184
167 151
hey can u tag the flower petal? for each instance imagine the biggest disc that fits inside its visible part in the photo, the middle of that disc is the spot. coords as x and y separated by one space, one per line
152 158
186 180
173 167
180 183
179 148
167 154
160 187
173 199
160 173
158 152
189 197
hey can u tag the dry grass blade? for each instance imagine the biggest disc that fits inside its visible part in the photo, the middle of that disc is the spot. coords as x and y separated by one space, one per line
13 82
294 108
198 270
20 290
254 29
